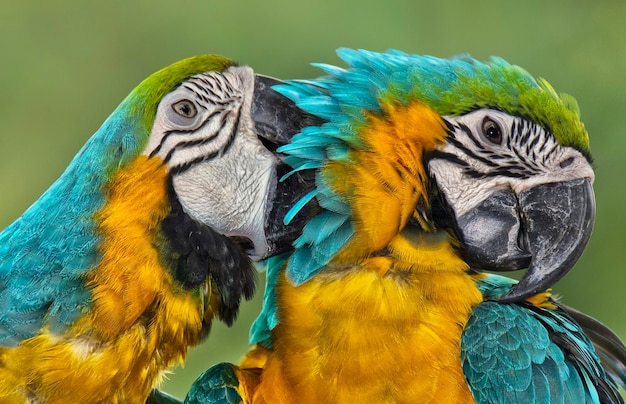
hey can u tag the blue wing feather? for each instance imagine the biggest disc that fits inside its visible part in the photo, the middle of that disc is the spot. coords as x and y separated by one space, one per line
268 318
45 253
524 353
607 344
216 385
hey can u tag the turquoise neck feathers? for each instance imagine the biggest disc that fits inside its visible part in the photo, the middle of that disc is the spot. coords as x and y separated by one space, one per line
57 234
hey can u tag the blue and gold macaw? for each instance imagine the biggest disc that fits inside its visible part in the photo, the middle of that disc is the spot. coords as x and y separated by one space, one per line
146 237
428 172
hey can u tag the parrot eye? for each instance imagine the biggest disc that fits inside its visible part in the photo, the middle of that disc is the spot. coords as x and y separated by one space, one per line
491 131
185 108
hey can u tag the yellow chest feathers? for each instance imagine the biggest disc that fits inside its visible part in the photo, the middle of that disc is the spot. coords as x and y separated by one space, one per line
141 322
387 330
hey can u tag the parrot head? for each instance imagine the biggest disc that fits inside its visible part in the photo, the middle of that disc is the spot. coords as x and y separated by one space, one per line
217 132
482 151
170 199
216 129
534 209
148 235
514 177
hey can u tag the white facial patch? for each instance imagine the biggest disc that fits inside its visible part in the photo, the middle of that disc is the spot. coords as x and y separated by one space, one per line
489 149
220 170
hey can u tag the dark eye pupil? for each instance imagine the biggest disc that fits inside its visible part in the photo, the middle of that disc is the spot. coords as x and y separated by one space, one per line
185 108
492 131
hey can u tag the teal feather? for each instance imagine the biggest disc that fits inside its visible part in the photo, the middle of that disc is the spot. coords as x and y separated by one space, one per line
591 394
320 228
333 204
298 206
268 318
524 353
309 259
330 69
510 353
322 106
307 165
449 86
307 151
216 385
45 253
607 344
575 388
310 136
297 90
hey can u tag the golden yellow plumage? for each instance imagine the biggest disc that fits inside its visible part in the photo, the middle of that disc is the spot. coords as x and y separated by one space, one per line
123 262
141 322
387 330
428 171
383 321
385 181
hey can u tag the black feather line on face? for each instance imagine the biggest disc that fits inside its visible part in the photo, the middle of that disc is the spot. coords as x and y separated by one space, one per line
196 252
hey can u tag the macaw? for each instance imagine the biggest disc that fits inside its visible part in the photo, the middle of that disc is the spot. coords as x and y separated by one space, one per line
123 263
428 172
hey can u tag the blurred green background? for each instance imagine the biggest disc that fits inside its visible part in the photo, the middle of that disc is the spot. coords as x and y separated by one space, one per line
66 64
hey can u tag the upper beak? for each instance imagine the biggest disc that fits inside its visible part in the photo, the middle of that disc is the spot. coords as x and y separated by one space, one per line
544 228
277 119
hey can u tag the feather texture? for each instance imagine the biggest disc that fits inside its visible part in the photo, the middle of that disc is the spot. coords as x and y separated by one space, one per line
375 300
530 353
85 298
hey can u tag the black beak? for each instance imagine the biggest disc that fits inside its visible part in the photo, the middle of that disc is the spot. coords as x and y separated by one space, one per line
277 119
275 116
544 228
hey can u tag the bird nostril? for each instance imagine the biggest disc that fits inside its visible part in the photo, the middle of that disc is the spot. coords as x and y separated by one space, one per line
567 162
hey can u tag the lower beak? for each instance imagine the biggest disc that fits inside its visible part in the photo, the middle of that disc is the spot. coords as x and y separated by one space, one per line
544 228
